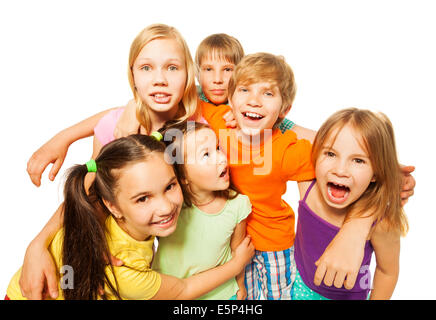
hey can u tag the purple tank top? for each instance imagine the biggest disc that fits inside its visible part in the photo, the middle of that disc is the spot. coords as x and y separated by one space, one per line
313 236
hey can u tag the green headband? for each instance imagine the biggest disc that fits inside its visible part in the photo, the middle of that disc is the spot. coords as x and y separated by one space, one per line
91 165
157 135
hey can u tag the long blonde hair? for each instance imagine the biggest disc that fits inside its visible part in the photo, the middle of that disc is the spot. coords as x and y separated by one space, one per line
382 197
188 104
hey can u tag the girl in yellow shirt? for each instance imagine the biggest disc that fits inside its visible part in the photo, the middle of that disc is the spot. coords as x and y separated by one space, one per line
133 197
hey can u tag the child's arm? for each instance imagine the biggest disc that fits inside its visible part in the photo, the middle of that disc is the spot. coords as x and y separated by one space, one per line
304 133
386 245
340 263
199 284
237 237
128 123
38 265
55 150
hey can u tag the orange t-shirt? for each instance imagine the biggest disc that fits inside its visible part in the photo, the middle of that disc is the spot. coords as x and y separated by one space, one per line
261 173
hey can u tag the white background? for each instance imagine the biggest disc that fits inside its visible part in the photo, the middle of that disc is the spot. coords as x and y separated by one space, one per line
62 61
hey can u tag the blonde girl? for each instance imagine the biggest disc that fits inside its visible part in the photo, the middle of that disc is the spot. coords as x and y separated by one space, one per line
357 175
133 197
161 75
212 221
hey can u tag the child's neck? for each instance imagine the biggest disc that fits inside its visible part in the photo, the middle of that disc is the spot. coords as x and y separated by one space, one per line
316 202
158 119
208 202
254 140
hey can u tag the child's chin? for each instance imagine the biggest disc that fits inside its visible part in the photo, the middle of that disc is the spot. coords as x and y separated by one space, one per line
250 131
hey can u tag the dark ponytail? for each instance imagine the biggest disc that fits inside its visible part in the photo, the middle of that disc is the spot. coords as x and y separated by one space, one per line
85 247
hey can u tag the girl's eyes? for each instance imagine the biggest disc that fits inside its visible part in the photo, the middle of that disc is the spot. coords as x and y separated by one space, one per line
268 93
146 68
329 154
228 69
206 155
171 186
359 161
142 199
172 68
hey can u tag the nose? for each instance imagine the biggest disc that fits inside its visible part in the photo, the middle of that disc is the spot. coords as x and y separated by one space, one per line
341 168
218 78
222 158
164 207
254 100
159 78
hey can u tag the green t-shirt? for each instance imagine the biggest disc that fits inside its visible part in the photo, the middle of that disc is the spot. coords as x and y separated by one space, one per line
201 242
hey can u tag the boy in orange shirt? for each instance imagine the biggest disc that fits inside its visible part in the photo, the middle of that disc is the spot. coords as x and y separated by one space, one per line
261 161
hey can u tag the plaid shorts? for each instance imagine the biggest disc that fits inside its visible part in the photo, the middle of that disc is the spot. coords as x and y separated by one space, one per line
270 275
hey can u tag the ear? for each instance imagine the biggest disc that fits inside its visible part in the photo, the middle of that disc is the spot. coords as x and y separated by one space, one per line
373 179
113 209
285 111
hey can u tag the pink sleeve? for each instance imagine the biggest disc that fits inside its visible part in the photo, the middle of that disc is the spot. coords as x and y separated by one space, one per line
104 130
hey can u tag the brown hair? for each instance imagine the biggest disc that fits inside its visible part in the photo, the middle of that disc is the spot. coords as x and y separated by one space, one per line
220 45
188 104
382 197
266 67
174 137
85 247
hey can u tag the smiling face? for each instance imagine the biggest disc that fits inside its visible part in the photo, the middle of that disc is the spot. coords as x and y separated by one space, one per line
149 198
343 169
206 165
257 107
214 76
160 75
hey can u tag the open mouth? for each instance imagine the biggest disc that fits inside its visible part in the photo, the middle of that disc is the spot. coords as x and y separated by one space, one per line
338 193
252 116
166 222
224 173
160 97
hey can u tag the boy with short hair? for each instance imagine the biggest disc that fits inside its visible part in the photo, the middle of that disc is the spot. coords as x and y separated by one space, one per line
261 92
216 58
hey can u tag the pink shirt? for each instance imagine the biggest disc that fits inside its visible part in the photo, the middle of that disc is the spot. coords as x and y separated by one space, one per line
104 130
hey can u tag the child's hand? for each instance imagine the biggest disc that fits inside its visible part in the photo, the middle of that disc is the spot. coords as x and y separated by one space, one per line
38 275
230 120
244 252
127 124
409 184
341 261
54 151
242 293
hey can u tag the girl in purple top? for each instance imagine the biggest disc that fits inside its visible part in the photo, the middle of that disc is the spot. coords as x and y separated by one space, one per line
357 174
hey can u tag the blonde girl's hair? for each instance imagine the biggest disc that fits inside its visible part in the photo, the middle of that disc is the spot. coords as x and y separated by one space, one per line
188 104
176 147
266 67
219 45
382 197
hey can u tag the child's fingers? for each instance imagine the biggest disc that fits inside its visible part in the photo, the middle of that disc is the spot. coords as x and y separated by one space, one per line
339 279
231 124
116 262
35 170
55 168
319 273
52 284
350 280
407 169
329 277
228 116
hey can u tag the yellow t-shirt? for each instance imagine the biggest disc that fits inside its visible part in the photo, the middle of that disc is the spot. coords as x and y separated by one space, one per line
136 280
